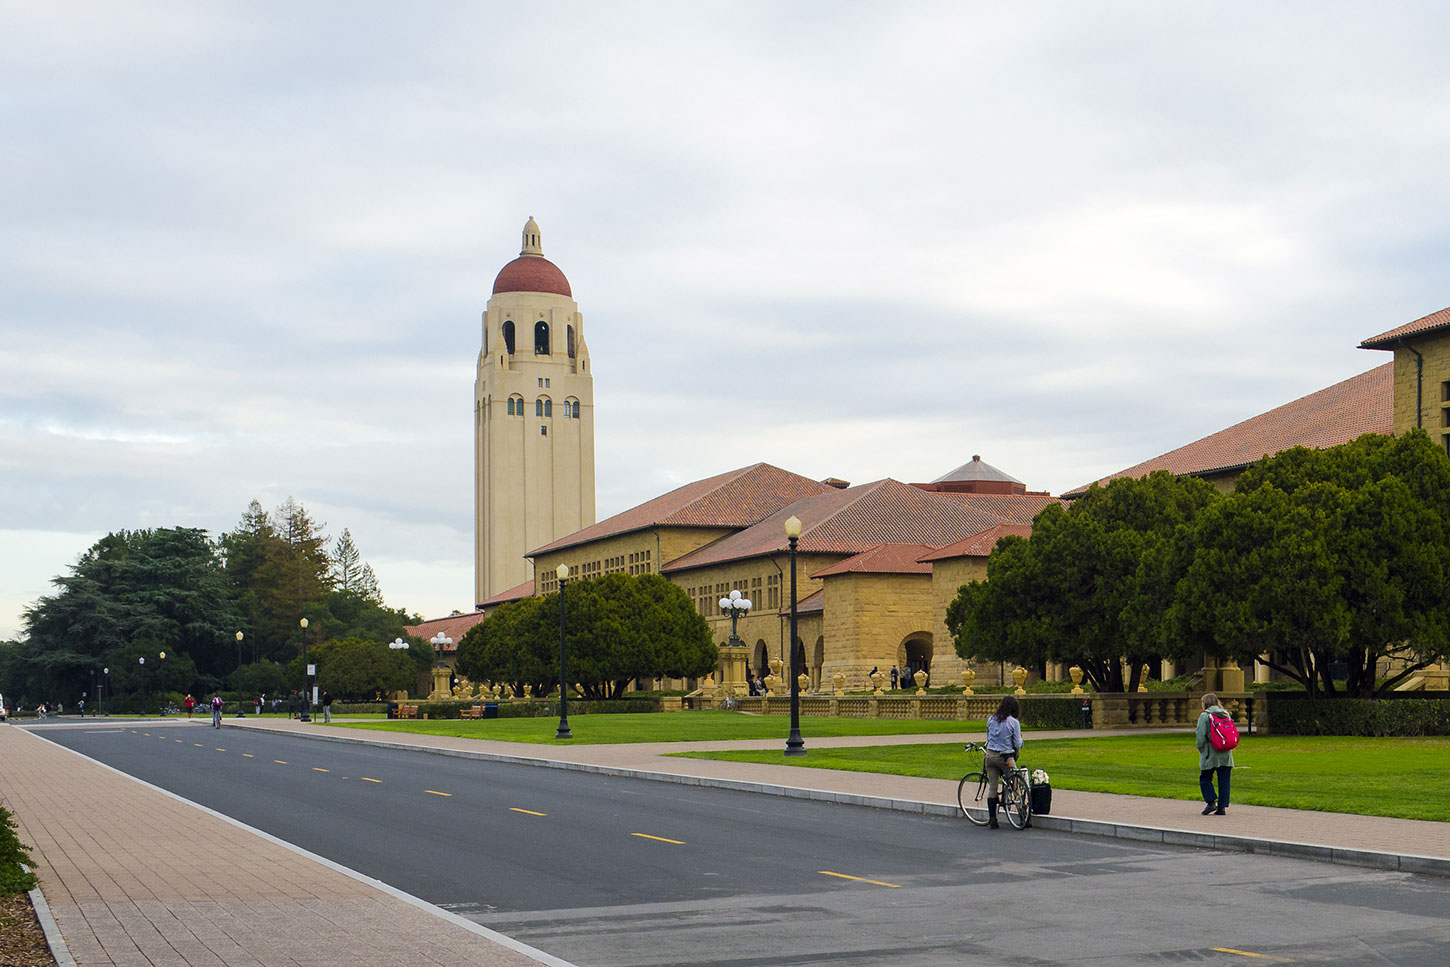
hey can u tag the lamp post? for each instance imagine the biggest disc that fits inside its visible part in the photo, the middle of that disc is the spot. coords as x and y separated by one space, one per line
306 715
563 733
794 745
239 649
736 606
105 683
143 685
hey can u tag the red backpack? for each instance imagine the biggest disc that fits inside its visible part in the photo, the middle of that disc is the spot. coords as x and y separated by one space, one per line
1223 735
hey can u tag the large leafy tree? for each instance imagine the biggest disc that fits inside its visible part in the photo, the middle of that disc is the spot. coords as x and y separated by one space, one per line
1326 561
618 627
277 567
162 586
356 668
1077 591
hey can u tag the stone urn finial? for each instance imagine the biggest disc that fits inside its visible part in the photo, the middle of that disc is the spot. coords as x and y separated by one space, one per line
1019 675
838 681
775 666
876 679
968 677
920 679
528 691
803 682
771 683
708 687
1143 678
1076 674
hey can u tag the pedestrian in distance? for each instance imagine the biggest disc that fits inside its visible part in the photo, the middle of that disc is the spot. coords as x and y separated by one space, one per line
1004 742
326 708
216 711
190 704
1216 737
292 704
895 676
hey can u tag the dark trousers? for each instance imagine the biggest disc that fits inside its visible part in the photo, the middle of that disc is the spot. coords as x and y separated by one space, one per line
1205 783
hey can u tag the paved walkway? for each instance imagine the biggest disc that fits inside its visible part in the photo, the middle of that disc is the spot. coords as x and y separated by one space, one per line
133 875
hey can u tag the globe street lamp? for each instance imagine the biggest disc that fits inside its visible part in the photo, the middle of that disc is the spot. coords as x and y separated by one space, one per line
794 745
239 649
105 683
736 607
398 644
306 715
563 733
439 642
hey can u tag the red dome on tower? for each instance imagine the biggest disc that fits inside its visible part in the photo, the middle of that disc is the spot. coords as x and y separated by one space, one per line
532 273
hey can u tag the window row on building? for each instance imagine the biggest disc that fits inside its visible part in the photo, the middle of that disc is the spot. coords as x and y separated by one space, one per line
544 407
707 596
542 344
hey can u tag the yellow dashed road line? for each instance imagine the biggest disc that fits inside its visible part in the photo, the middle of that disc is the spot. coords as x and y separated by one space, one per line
1242 953
279 762
315 769
366 779
529 811
677 842
859 879
435 792
221 750
248 755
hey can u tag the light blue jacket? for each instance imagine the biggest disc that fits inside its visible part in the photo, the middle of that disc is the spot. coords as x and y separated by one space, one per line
1208 756
1004 737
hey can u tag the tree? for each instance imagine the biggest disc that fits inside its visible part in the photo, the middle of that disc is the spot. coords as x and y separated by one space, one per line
357 669
1327 561
350 573
161 586
1076 592
618 627
277 568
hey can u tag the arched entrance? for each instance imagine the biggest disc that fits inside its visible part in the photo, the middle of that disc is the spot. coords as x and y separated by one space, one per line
914 655
818 658
760 664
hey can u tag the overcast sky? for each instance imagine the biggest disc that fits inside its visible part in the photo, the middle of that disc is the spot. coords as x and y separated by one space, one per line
245 246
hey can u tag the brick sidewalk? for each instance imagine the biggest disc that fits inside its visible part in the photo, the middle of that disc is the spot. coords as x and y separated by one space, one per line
136 877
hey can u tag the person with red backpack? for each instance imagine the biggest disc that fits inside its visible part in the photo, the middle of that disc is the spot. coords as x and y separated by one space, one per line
1217 736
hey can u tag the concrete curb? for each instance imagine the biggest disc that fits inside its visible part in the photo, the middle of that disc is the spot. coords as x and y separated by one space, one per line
53 938
1404 862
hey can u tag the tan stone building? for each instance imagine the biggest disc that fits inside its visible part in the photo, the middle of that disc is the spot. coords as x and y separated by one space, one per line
533 406
874 564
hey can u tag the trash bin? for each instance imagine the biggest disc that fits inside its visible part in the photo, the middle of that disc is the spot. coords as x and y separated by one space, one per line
490 711
392 710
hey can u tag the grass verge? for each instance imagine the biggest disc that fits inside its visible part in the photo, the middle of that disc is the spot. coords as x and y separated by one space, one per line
704 726
1401 777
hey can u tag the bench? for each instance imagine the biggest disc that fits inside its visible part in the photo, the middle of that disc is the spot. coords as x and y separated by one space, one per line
407 711
472 713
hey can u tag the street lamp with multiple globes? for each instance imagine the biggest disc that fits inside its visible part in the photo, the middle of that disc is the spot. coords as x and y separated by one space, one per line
563 572
306 715
794 745
736 607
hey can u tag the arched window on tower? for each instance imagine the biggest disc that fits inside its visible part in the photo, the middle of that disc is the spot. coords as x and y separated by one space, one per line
571 409
508 336
541 338
516 406
548 408
569 337
575 407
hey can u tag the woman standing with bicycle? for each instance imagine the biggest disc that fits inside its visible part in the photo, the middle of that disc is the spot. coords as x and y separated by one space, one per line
1004 741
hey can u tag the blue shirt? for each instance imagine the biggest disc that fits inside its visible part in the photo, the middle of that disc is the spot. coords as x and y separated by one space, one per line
1004 737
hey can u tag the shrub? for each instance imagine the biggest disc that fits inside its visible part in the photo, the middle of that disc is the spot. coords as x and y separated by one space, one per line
536 709
1360 716
14 859
1052 713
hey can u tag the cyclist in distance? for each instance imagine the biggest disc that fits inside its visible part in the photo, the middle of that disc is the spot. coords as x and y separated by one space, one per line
1004 741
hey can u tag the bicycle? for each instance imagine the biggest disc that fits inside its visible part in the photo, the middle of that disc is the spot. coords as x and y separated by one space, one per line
1015 800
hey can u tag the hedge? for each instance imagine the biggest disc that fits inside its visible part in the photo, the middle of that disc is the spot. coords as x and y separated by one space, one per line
1052 713
1360 716
15 877
525 710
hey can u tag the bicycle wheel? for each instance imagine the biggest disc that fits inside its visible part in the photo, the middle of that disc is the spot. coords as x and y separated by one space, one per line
972 797
1017 800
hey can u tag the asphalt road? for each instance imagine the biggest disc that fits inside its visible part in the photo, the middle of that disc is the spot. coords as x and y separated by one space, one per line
608 871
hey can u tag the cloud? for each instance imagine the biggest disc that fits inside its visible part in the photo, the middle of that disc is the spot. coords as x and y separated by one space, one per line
248 244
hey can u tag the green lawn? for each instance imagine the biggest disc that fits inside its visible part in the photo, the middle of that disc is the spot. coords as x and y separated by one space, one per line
1407 778
663 727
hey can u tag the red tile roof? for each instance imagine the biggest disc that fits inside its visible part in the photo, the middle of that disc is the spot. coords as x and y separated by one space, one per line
1421 326
739 498
454 626
882 559
1335 415
882 512
815 604
532 273
525 590
977 545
